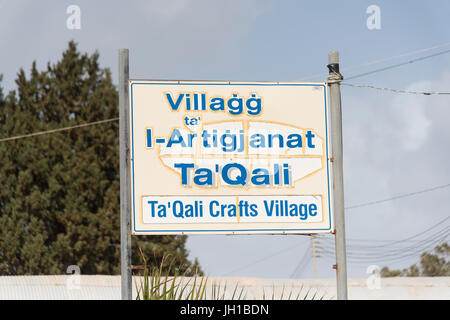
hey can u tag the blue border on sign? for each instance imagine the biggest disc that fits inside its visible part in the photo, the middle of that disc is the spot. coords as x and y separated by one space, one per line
228 84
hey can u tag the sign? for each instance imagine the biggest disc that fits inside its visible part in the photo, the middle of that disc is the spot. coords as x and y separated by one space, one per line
229 157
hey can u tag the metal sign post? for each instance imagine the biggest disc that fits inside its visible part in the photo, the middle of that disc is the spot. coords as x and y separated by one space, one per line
334 80
125 225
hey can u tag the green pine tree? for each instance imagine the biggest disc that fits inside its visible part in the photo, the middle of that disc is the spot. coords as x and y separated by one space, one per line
59 195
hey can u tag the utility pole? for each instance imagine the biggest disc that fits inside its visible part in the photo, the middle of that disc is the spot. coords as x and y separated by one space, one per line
334 80
125 197
314 253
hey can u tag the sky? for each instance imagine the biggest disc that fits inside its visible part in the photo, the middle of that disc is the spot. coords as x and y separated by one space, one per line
393 143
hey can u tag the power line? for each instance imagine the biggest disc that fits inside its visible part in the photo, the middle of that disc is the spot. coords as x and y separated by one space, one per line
398 65
373 252
405 255
58 130
365 254
400 56
366 64
429 93
439 223
397 197
370 253
261 259
304 261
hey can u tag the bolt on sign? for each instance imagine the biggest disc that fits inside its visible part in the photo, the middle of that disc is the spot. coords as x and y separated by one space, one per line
229 157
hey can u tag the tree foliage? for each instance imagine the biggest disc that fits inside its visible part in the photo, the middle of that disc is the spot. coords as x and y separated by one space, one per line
59 195
431 265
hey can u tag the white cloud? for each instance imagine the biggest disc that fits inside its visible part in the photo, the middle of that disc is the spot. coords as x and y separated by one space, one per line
409 112
398 150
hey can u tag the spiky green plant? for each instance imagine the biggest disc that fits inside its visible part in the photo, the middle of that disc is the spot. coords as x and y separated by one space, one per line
157 284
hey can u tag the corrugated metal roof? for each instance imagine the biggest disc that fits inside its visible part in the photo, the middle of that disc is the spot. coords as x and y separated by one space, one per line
60 287
101 287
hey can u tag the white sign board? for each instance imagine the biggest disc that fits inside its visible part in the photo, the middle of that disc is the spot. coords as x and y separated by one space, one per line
229 157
